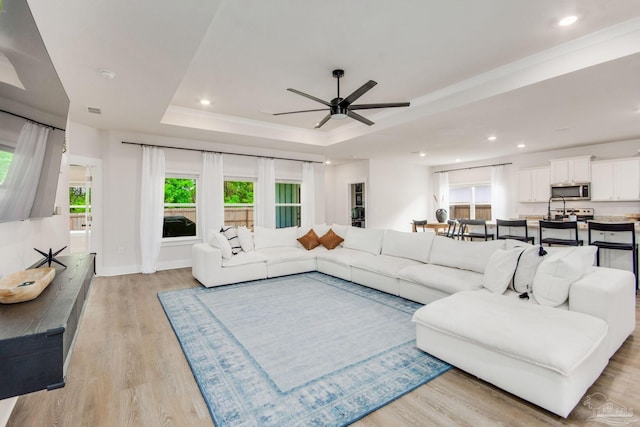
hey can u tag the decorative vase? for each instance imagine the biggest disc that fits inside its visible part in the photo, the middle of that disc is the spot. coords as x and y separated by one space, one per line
441 215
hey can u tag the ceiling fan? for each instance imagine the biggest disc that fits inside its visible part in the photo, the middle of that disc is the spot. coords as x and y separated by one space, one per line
340 108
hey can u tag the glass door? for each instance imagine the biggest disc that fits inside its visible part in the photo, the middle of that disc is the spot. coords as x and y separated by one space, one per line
80 178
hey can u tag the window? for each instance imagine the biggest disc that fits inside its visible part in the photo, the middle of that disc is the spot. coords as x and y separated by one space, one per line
179 207
288 206
238 203
6 155
470 201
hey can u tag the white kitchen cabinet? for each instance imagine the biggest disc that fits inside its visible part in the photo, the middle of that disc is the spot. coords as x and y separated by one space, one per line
533 185
615 180
570 170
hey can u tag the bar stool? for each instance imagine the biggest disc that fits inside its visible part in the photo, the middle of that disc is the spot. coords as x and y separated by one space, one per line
615 228
420 224
517 223
560 225
465 230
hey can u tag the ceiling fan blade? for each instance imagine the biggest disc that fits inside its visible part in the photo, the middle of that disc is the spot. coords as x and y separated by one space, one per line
301 111
359 118
384 105
306 95
358 93
323 121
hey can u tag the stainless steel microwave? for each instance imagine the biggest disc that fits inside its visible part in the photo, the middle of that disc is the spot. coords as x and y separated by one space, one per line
573 191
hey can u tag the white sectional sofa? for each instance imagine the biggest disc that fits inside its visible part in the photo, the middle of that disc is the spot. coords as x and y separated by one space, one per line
547 348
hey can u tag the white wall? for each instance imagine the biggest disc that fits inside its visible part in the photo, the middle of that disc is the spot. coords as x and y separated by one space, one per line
121 189
396 193
399 192
336 189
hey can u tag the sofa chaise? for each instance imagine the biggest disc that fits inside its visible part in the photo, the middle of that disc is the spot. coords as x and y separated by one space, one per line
541 326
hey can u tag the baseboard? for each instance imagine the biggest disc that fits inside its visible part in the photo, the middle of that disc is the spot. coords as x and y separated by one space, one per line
120 270
173 264
133 269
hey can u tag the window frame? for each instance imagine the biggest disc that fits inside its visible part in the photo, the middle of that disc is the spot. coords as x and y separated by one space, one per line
299 205
5 147
473 202
181 240
240 205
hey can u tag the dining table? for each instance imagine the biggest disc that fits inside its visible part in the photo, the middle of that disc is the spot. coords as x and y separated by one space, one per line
435 226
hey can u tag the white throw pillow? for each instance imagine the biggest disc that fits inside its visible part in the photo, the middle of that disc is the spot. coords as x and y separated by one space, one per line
246 240
364 239
558 271
217 240
526 269
340 230
275 237
500 268
320 229
232 236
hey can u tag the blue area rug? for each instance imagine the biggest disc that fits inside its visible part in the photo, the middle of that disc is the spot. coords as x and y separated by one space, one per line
307 349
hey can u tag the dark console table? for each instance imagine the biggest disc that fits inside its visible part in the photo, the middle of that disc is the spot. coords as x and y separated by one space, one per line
36 336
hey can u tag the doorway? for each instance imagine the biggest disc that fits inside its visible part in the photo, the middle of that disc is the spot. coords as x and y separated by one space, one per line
85 211
80 208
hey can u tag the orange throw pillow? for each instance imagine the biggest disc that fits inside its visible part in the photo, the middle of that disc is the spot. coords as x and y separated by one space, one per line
331 240
309 240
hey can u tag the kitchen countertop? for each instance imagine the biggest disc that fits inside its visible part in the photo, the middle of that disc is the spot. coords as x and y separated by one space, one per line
533 221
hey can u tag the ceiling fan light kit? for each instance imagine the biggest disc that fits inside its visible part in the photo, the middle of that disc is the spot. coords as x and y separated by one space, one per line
341 108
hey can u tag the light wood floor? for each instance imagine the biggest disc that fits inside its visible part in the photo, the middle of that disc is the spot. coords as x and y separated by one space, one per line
127 369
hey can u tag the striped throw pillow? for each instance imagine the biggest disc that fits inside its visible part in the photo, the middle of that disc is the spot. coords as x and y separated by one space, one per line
232 236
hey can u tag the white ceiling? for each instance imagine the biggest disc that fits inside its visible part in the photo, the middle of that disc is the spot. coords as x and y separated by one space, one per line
470 69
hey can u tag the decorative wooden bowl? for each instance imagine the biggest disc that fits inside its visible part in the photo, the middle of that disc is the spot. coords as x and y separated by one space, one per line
25 285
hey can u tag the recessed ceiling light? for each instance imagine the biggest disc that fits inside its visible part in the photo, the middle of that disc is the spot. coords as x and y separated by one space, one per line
457 160
492 138
567 20
107 74
328 162
521 145
205 102
422 154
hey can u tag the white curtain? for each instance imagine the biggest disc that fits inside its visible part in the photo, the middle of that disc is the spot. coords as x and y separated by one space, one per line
151 207
22 178
443 192
498 193
307 196
211 195
265 194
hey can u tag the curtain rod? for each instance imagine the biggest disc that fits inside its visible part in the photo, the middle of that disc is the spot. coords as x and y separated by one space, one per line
474 167
218 152
31 120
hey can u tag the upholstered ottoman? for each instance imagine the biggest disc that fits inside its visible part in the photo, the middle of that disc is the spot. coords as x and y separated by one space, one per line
548 356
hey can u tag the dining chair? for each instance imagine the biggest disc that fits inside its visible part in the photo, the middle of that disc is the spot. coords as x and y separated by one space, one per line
618 231
468 229
570 226
451 229
514 225
419 224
